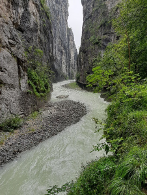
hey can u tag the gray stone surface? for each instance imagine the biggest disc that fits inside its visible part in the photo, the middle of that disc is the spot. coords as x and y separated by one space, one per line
23 23
54 118
64 49
96 34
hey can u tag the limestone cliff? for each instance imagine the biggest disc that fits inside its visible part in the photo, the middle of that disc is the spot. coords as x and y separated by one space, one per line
34 39
23 24
72 56
64 49
96 34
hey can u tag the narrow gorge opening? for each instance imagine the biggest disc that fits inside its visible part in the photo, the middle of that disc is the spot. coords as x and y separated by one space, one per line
39 100
75 20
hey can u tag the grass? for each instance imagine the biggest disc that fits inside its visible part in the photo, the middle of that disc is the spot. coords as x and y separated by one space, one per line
10 124
72 85
34 115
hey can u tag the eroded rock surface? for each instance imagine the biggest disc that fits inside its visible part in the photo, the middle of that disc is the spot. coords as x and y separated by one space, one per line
23 24
26 24
97 33
64 49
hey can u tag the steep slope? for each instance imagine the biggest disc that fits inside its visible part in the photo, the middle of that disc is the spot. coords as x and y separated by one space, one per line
24 26
34 39
96 34
64 48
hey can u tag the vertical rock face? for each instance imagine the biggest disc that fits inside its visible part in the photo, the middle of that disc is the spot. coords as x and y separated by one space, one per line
72 55
64 48
23 23
97 33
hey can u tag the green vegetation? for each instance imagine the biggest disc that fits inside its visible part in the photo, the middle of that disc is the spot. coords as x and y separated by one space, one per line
95 40
46 8
39 74
94 178
126 125
72 85
124 61
122 73
11 124
34 115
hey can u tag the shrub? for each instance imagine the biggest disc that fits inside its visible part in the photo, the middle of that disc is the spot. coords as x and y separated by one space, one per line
45 7
126 124
11 124
94 178
39 82
39 74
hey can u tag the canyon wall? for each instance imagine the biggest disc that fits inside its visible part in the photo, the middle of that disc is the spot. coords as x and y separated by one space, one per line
64 49
96 34
24 24
35 42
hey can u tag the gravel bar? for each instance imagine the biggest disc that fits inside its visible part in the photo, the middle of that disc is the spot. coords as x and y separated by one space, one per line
54 118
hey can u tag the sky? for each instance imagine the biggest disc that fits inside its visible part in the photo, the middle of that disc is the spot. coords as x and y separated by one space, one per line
75 20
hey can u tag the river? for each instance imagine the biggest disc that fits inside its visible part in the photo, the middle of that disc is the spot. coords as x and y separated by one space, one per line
58 159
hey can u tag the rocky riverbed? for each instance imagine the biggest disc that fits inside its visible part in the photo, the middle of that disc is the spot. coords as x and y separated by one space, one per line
54 118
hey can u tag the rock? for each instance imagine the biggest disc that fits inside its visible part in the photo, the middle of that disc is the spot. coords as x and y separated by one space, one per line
64 49
66 113
21 26
62 96
25 24
96 34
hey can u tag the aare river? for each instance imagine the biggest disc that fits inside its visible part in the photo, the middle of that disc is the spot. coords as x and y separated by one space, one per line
58 159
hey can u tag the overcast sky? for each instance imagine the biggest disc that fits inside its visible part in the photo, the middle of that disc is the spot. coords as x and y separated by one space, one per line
75 20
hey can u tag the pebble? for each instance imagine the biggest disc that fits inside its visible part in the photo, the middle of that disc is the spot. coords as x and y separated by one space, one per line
47 124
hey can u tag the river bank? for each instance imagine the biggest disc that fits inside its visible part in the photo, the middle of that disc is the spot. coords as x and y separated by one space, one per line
58 159
54 118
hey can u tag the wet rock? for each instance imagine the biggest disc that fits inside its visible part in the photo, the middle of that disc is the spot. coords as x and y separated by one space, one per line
62 96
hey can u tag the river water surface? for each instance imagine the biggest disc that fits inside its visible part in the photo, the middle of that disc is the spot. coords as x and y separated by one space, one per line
58 159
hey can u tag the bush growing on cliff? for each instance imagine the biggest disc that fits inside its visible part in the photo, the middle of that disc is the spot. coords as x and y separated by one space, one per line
39 74
126 58
45 7
120 71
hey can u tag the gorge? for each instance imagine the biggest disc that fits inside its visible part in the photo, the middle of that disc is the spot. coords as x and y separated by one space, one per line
55 136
